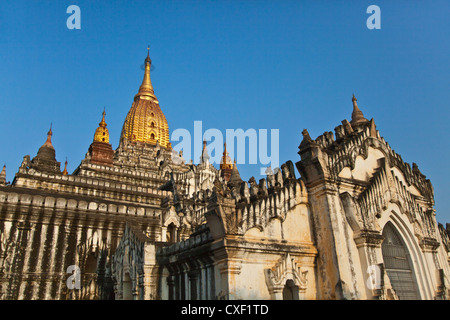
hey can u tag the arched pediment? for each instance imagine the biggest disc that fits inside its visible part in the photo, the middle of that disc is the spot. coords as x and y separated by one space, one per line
171 217
359 160
286 269
364 165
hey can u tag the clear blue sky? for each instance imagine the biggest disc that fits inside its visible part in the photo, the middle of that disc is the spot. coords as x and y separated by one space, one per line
285 65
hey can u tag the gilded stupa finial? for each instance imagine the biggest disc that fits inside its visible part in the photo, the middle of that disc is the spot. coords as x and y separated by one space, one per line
103 123
102 133
148 55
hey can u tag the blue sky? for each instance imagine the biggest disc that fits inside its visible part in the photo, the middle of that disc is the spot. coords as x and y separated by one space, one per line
285 65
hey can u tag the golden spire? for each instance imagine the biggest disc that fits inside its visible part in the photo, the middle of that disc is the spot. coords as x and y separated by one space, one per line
65 168
103 123
226 160
102 133
146 88
145 122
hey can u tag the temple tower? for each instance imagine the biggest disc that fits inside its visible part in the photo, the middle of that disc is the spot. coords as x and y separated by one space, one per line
145 122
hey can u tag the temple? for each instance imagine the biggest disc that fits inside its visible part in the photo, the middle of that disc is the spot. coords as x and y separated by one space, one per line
348 219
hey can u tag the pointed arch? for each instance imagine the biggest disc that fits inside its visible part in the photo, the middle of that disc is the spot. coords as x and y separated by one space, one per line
398 264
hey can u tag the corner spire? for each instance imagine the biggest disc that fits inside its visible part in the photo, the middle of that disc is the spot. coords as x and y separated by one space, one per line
226 165
100 150
48 143
3 176
235 177
205 156
102 133
65 168
226 160
45 160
